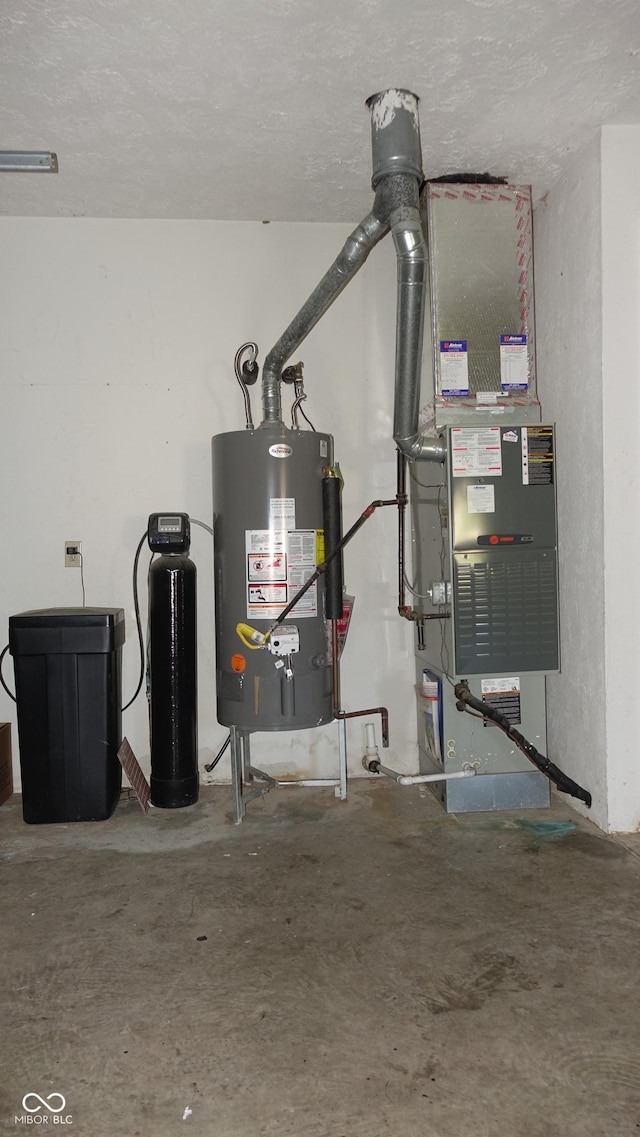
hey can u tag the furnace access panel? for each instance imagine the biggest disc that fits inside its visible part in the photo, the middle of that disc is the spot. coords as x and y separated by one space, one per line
501 482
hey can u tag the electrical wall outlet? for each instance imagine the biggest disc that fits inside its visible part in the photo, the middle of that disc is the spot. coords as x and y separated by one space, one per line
72 554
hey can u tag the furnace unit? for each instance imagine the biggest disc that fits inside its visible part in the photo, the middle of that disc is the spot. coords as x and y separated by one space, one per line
484 522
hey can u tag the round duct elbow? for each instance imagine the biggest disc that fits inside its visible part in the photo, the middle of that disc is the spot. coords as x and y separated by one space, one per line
422 449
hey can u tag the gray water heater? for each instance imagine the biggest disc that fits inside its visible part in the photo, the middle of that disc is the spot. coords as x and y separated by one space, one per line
268 525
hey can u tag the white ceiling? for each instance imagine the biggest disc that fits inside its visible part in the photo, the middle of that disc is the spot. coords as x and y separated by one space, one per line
254 109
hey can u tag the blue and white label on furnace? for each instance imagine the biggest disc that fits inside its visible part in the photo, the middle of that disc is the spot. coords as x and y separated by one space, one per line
454 368
514 363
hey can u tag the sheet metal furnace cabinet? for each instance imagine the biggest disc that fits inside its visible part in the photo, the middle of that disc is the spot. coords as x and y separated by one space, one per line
485 534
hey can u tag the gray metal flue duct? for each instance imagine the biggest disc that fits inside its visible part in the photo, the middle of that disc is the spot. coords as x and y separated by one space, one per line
397 176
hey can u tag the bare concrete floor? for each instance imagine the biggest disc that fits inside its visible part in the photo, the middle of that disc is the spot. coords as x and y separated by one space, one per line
325 970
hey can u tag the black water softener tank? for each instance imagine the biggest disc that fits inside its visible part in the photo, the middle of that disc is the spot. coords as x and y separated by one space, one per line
172 663
67 664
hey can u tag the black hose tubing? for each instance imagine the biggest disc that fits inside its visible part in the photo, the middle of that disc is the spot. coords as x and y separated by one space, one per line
565 784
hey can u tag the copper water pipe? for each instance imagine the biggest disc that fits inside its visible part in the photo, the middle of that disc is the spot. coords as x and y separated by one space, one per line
337 713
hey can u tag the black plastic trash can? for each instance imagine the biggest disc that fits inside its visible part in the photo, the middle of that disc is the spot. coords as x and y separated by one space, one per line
67 664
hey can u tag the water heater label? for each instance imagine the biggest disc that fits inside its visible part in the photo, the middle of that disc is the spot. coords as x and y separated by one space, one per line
269 568
282 513
267 541
514 363
261 595
454 367
476 451
278 562
280 450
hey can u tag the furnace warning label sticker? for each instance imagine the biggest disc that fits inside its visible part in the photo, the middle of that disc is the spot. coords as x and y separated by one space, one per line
454 367
504 695
514 363
278 562
537 455
476 451
481 499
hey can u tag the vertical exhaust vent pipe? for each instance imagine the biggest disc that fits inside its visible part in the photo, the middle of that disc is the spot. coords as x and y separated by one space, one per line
397 176
395 134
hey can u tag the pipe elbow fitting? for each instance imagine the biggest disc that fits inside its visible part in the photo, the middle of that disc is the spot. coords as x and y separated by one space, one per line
359 244
419 448
411 249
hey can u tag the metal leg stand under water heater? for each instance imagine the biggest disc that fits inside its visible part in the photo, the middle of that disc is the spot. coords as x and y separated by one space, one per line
244 774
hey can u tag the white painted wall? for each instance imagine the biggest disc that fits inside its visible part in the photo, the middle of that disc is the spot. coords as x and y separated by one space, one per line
621 418
569 346
587 238
116 367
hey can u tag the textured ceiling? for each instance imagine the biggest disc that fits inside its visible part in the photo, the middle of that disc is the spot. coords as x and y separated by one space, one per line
254 109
